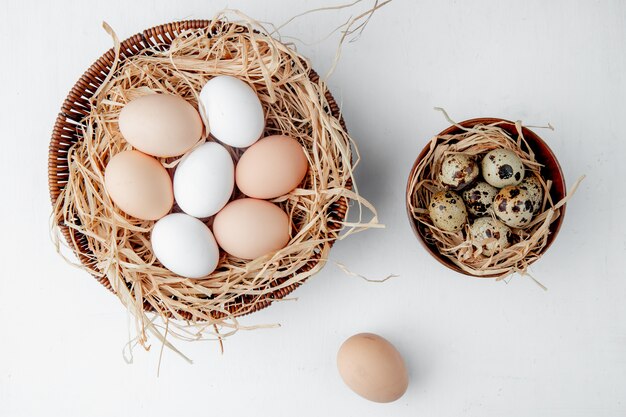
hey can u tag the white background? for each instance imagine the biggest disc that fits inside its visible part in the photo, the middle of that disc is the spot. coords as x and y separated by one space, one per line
474 347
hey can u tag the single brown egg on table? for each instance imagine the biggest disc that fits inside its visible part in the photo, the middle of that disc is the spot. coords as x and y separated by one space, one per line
249 228
139 185
373 368
271 167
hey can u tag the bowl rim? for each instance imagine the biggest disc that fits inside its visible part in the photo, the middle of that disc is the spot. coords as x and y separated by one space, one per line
554 228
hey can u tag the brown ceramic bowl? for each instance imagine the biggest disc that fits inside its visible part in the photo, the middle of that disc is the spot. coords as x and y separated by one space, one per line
551 171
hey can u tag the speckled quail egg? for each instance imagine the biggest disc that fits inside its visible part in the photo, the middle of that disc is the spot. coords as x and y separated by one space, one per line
532 184
513 206
458 171
485 228
502 167
479 198
447 211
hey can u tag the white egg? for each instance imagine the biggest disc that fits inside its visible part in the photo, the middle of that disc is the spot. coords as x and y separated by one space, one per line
185 246
479 198
233 111
204 180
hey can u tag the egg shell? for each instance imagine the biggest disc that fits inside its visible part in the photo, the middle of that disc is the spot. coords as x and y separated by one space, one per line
249 228
502 167
496 233
204 180
458 171
373 368
447 211
271 167
162 125
233 111
139 185
479 198
532 184
185 245
513 206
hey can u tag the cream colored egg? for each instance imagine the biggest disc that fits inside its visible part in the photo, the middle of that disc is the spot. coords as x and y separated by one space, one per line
532 184
458 171
139 185
373 368
249 228
162 125
479 198
502 167
447 211
513 206
489 234
271 167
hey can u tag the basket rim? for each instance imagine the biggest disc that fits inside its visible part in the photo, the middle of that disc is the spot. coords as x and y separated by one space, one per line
75 106
554 228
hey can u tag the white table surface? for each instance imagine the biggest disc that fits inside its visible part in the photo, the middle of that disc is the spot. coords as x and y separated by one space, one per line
473 347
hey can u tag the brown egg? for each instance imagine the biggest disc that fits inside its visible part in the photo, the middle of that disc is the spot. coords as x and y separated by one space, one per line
373 368
249 228
162 125
139 185
271 167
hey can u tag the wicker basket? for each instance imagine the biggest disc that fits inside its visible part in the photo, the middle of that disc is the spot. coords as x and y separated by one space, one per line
76 106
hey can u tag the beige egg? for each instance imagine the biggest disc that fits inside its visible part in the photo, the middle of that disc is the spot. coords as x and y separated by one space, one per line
373 368
271 167
479 198
249 228
162 125
502 167
513 206
139 185
447 211
458 171
532 184
490 234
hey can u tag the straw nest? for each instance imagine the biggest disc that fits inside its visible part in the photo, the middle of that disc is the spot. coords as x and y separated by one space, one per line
528 243
116 247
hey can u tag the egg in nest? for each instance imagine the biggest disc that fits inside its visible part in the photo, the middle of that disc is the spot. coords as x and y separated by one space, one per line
513 206
447 211
479 198
532 184
492 231
458 171
502 167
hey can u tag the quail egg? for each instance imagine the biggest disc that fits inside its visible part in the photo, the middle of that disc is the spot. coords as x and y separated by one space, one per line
479 198
513 206
447 211
502 167
485 228
458 171
532 184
